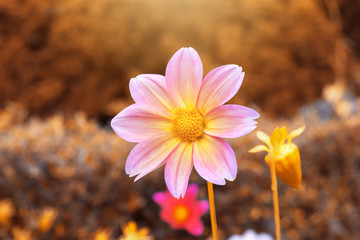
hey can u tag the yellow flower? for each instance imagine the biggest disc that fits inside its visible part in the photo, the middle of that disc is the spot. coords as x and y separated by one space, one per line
285 154
46 219
21 234
132 233
6 210
101 235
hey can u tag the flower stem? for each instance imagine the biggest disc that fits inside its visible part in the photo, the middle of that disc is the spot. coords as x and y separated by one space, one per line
275 199
212 211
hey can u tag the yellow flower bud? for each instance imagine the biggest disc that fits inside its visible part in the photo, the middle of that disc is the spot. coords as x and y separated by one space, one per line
288 166
286 155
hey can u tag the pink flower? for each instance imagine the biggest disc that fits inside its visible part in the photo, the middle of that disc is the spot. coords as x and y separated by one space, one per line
180 120
183 213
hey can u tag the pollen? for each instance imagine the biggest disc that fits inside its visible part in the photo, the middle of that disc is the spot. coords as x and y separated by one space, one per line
181 213
188 124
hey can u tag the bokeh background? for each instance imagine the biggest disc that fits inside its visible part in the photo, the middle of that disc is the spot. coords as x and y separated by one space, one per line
65 66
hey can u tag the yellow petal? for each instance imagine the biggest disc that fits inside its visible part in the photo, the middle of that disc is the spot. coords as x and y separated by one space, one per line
296 132
259 148
130 228
263 137
143 232
288 166
278 136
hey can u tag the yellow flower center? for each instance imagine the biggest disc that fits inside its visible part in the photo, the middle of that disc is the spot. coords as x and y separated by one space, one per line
188 124
181 213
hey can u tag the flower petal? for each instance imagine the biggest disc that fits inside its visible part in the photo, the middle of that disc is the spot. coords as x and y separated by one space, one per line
263 137
219 86
230 121
288 165
203 206
136 124
183 76
278 137
195 227
178 168
159 197
192 192
214 160
259 148
264 236
150 90
148 155
296 133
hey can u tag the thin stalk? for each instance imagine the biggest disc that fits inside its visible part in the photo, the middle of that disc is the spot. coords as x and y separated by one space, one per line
275 198
212 211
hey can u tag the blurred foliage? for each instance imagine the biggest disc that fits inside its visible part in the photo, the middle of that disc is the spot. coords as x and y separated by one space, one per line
71 55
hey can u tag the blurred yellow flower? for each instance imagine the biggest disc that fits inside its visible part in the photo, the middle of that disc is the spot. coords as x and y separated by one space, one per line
285 154
46 219
132 233
21 234
101 234
6 210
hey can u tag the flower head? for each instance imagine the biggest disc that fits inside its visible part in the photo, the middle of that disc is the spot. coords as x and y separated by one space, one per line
179 119
21 234
132 233
183 213
47 219
6 211
285 154
251 235
101 234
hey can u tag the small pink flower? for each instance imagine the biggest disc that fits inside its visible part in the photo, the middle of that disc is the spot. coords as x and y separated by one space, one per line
183 213
180 120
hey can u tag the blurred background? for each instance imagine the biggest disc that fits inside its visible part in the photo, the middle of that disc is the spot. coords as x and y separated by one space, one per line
65 66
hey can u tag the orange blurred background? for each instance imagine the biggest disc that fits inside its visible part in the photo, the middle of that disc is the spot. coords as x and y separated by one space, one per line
70 55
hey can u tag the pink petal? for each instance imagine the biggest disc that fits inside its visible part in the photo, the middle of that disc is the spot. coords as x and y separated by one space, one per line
136 124
150 90
192 191
178 168
219 86
195 228
148 155
159 197
183 76
230 121
214 160
203 206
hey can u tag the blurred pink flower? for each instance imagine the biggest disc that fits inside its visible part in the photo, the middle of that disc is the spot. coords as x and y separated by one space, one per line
183 213
180 120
